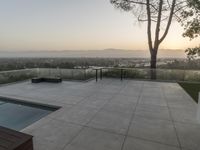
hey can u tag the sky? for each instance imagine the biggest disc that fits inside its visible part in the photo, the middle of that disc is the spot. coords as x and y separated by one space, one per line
75 25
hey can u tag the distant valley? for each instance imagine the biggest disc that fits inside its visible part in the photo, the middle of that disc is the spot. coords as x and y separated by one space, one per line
107 53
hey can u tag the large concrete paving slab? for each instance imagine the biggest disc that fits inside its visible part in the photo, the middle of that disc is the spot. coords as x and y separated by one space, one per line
138 144
154 129
111 115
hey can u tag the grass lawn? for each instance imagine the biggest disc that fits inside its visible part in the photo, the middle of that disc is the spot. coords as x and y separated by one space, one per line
192 89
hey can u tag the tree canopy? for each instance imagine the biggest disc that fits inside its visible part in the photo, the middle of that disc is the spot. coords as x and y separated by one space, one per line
191 19
191 23
193 53
158 14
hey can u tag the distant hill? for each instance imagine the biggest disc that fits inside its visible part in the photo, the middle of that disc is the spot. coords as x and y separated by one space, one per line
107 53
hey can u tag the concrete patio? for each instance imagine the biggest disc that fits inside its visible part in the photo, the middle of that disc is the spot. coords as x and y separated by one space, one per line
111 115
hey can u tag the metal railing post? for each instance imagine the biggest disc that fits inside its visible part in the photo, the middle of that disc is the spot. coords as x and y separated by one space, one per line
101 74
198 110
96 75
121 74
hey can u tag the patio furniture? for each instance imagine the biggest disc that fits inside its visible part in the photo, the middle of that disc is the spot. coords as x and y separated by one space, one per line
47 79
100 69
101 72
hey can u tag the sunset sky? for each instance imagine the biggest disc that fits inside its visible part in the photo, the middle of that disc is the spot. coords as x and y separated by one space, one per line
75 25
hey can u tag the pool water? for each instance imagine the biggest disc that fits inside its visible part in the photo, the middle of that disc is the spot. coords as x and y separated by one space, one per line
17 116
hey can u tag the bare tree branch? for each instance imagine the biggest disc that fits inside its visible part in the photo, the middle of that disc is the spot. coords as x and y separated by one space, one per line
156 42
169 21
180 8
149 26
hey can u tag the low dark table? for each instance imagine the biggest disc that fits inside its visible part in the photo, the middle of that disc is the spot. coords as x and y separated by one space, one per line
14 140
121 72
46 79
100 69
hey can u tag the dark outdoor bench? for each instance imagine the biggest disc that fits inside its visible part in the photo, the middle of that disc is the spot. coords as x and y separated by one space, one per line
14 140
44 79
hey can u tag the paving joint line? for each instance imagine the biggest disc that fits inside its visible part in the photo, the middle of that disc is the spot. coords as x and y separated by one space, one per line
84 126
132 117
153 141
170 113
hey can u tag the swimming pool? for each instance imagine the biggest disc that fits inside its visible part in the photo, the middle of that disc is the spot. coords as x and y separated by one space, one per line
17 114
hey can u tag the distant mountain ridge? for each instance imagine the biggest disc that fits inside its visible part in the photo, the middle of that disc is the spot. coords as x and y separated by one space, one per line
106 53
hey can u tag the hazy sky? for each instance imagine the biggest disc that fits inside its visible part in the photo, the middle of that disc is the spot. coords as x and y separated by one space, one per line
75 25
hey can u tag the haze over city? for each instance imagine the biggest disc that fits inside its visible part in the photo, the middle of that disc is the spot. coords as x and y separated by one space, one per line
99 74
76 25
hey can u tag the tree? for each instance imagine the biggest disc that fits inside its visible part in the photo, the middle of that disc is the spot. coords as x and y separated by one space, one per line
159 12
191 22
191 19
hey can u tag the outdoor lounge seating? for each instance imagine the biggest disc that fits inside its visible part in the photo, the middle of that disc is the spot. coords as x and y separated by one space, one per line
47 79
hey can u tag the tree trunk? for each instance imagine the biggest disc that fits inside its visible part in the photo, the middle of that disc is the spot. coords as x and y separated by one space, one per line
153 60
153 64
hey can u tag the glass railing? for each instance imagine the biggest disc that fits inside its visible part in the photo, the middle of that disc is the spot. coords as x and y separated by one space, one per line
17 75
86 74
149 74
67 74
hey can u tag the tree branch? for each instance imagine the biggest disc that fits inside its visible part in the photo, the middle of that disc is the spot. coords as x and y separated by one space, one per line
156 42
180 3
142 3
149 26
180 8
136 2
169 21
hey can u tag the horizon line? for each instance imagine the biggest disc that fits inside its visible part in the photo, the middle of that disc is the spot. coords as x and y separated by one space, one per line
108 49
